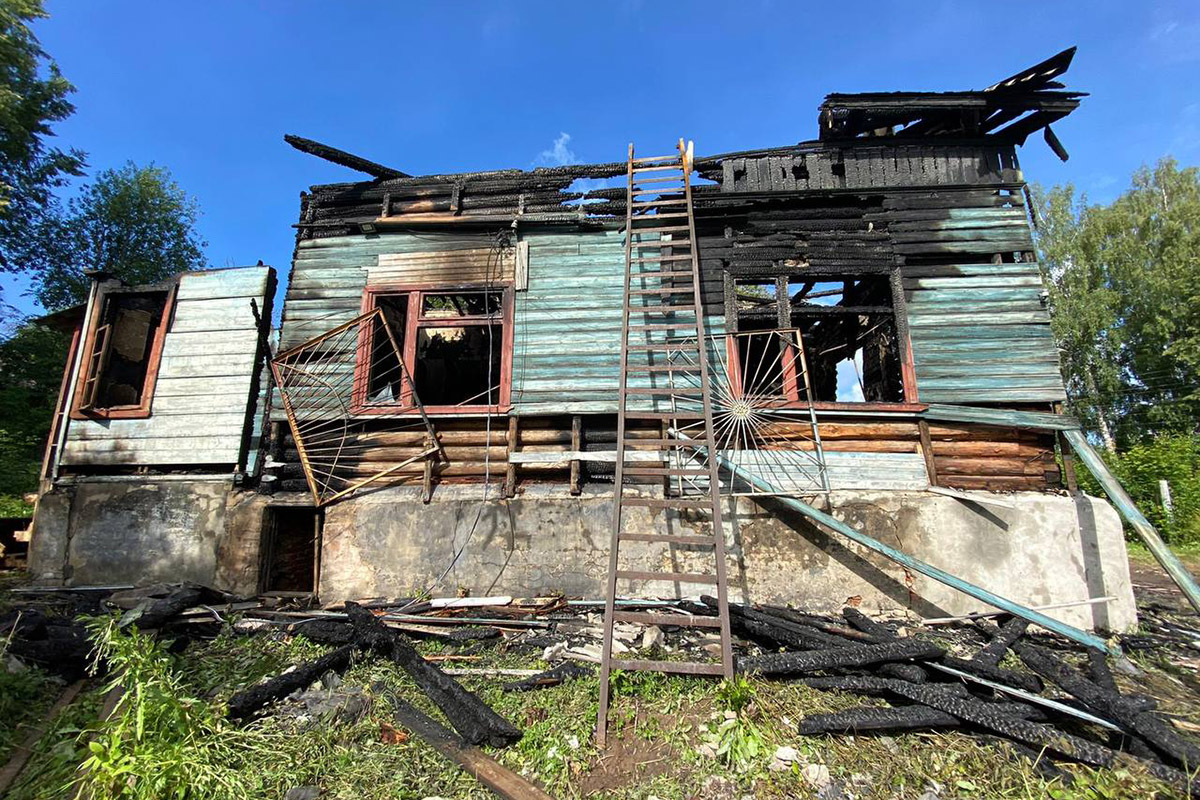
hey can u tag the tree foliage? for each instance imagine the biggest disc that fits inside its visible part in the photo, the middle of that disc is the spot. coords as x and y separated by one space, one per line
1124 284
31 367
33 96
135 223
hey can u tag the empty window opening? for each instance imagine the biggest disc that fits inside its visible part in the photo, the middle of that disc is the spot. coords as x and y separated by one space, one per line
290 549
123 350
452 343
848 329
384 378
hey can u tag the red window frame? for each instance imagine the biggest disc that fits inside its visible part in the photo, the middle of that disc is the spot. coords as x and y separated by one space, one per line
791 382
407 340
142 409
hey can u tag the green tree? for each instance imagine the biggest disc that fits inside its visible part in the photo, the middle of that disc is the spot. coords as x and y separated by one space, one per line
33 96
31 368
135 223
1124 285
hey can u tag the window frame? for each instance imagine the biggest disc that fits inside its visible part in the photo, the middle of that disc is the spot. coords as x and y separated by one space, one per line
782 276
408 344
141 410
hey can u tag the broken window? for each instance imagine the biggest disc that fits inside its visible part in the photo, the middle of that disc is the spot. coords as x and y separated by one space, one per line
122 354
453 342
847 324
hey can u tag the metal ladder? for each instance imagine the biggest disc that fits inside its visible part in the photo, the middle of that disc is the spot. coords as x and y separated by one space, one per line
660 266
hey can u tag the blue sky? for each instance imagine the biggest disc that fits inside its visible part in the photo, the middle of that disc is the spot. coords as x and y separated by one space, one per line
208 89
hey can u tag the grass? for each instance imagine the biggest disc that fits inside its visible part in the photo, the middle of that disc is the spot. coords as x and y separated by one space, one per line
660 728
1189 553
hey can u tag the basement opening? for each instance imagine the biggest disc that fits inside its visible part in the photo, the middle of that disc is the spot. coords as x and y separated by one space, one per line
291 544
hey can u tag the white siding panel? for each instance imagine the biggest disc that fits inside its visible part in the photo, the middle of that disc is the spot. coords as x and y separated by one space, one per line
198 414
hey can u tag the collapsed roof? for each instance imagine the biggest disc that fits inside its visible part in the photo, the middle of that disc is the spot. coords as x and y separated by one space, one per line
976 130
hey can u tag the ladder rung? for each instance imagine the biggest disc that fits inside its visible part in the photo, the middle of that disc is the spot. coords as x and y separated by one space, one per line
667 179
670 202
673 577
664 229
663 326
670 472
640 259
665 290
664 273
641 217
659 190
663 243
666 390
655 502
690 444
661 308
679 667
658 168
648 159
679 620
693 415
690 347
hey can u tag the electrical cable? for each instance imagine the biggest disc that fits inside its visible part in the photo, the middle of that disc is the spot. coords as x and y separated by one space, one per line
502 241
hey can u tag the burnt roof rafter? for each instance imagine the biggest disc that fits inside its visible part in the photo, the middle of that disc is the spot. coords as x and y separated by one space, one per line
1009 110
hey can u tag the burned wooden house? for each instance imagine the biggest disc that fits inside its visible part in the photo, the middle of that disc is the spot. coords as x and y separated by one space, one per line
473 369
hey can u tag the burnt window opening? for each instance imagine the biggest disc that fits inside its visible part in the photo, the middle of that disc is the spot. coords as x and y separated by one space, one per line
847 324
384 378
124 349
452 343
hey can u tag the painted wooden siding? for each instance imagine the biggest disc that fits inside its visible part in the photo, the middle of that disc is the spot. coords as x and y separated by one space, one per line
567 343
329 275
981 334
199 410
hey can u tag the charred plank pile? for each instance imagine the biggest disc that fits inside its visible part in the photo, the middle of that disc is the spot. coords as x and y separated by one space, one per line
1044 706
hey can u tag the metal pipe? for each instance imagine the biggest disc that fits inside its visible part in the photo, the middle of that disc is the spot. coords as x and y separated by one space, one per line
907 561
1124 503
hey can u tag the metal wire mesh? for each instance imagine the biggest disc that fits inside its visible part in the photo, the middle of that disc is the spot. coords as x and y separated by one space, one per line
352 408
763 419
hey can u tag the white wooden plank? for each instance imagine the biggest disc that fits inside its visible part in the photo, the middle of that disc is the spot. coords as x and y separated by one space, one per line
224 283
191 343
195 387
180 425
206 366
221 314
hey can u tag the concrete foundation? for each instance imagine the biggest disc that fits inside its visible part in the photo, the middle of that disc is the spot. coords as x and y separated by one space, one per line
117 532
1046 549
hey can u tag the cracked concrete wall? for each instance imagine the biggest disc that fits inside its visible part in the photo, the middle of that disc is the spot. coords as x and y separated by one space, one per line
146 532
1047 549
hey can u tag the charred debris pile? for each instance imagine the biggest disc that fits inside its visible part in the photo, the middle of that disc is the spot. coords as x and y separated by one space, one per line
992 677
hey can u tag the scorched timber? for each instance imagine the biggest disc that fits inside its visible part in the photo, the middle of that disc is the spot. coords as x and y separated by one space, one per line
851 656
247 702
469 715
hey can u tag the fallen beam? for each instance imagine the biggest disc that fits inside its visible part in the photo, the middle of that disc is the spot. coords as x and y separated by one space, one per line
245 703
1124 503
1002 639
1129 712
22 752
470 716
342 158
860 655
473 761
877 718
